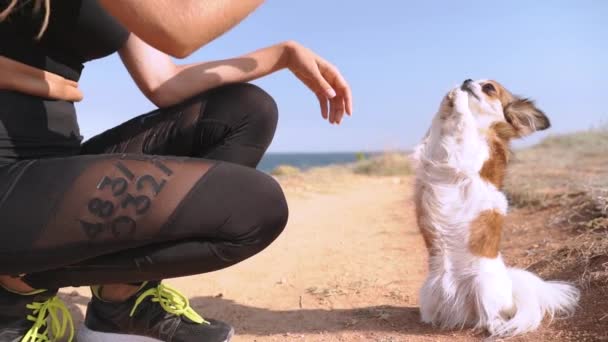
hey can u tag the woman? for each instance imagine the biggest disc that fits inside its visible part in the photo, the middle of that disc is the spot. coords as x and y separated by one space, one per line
167 194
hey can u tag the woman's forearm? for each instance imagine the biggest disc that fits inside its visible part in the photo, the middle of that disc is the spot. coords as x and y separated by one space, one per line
193 79
19 77
179 28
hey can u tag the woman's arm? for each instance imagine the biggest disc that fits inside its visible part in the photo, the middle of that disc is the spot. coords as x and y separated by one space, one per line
165 83
179 28
16 76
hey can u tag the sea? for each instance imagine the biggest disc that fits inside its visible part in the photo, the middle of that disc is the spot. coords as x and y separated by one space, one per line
306 161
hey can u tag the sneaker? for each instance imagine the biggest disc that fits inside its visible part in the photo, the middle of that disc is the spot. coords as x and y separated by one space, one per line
39 316
156 312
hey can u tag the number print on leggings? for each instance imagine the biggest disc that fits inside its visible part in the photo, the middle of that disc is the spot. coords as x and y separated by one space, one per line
123 226
101 208
141 203
118 185
156 187
127 198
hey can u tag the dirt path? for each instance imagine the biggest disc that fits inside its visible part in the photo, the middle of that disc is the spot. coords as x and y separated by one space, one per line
347 268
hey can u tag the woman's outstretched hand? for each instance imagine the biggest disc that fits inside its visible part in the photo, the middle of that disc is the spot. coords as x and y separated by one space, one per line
166 84
323 79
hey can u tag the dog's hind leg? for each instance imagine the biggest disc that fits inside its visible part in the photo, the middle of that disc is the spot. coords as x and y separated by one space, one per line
429 301
494 292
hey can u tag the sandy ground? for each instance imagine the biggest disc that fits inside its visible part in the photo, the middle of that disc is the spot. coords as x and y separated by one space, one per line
347 268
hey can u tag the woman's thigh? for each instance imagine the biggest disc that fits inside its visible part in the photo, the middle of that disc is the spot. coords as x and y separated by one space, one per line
234 123
61 211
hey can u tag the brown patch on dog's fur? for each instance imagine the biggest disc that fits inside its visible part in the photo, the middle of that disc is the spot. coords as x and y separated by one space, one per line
427 233
485 233
523 118
504 131
495 167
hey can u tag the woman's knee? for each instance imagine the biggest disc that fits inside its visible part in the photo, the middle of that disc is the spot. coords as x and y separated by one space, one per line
274 211
248 109
233 203
268 210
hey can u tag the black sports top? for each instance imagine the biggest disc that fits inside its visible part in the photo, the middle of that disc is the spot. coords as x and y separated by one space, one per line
78 31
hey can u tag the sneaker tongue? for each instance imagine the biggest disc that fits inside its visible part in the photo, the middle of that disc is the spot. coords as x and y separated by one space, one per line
150 311
147 285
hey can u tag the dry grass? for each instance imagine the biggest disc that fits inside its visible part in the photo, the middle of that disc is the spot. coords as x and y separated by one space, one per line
569 173
285 170
387 164
559 165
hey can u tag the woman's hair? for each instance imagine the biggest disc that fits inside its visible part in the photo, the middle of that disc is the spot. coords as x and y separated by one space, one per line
38 4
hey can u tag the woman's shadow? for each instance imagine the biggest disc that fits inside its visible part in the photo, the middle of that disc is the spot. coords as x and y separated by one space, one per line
260 321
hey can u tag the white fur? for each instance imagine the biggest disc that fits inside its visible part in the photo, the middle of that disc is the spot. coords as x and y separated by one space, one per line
464 290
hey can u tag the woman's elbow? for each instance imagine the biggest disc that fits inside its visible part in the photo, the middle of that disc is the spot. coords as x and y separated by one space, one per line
181 44
160 98
176 46
182 49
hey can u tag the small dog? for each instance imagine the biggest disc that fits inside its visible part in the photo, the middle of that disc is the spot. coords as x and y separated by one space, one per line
460 168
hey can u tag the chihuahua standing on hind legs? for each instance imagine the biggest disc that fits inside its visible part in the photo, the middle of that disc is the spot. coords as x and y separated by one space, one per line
460 208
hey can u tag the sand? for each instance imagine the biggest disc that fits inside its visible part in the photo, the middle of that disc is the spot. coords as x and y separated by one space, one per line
347 268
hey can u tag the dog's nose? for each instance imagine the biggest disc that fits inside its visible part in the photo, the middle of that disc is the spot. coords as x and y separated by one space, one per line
466 84
468 80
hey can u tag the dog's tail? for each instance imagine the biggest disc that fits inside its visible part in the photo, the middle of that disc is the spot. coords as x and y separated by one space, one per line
533 299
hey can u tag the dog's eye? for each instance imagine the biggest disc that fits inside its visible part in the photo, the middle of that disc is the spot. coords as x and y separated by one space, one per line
488 88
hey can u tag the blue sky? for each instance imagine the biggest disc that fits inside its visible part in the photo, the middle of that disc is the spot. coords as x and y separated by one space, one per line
400 57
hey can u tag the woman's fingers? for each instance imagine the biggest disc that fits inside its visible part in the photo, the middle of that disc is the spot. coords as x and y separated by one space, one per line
39 82
337 105
341 110
348 98
50 86
332 90
322 85
332 112
63 92
73 94
323 103
61 88
335 78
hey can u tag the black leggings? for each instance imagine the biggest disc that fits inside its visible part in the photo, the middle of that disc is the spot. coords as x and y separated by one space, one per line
140 202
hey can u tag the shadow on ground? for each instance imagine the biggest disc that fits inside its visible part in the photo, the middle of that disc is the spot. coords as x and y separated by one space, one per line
259 321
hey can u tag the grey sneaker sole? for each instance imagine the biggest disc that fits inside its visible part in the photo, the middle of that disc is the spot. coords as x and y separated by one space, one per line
87 335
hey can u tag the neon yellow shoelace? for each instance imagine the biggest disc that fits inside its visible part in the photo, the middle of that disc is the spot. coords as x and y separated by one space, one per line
171 301
58 325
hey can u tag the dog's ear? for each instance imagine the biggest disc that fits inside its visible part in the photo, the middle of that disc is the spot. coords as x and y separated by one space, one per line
525 117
